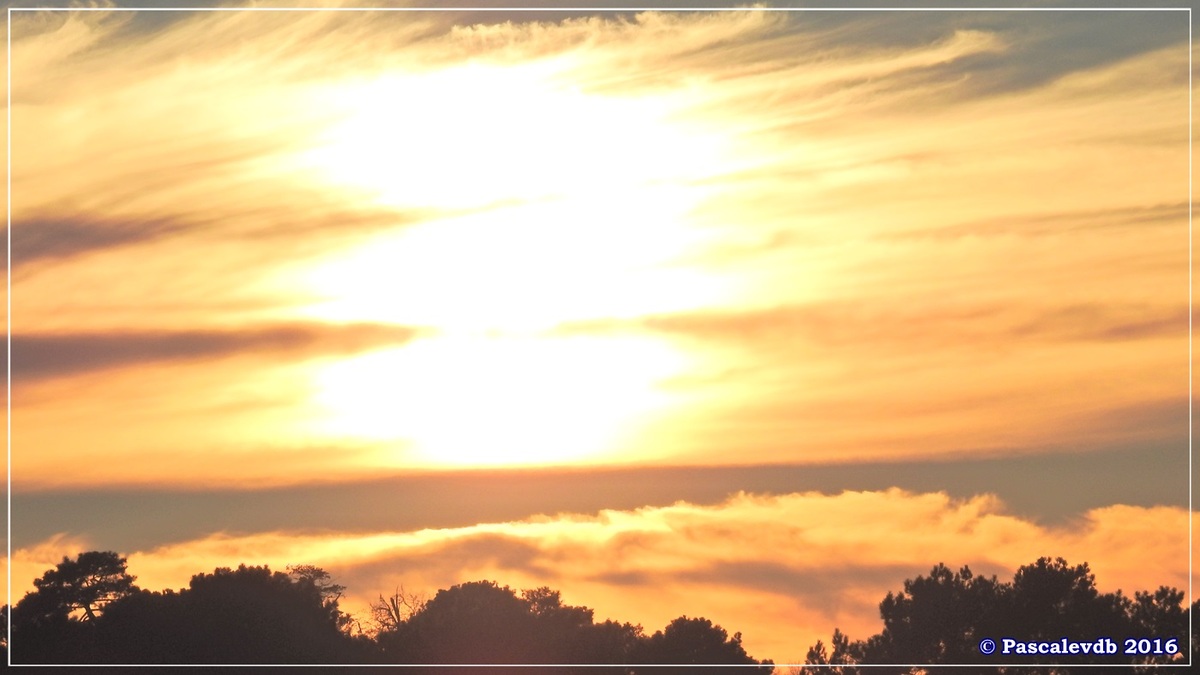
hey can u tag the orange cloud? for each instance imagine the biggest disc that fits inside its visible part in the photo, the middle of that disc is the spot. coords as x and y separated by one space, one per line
784 569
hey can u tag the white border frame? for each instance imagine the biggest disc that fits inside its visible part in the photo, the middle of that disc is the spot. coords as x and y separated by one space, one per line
574 10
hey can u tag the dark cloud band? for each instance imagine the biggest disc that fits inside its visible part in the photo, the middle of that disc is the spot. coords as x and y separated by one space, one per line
40 356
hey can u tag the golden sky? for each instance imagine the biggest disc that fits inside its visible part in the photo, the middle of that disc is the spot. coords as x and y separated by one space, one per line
253 250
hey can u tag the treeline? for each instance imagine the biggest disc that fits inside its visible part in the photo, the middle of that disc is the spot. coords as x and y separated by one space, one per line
955 618
89 610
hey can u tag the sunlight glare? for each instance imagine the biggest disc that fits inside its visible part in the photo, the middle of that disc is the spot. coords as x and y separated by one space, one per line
519 268
481 401
481 134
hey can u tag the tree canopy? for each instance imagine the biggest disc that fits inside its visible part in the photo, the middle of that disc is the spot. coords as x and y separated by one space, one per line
944 617
86 584
88 611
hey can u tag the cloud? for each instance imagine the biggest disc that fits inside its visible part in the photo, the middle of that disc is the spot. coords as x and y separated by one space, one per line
1099 322
46 356
182 109
140 517
62 239
783 569
936 376
830 589
185 115
1087 40
39 243
1055 224
855 327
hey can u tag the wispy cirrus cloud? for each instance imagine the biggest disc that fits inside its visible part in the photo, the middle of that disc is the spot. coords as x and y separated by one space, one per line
918 328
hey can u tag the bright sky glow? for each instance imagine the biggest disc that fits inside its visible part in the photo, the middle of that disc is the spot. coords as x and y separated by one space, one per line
475 400
475 135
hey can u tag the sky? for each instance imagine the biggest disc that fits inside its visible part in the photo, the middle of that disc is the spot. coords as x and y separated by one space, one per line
743 314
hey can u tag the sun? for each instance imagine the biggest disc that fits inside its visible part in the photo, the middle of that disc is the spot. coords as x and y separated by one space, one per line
546 201
551 208
521 268
485 401
526 356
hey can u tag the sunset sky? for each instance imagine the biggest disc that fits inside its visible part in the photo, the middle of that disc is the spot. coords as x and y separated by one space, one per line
742 314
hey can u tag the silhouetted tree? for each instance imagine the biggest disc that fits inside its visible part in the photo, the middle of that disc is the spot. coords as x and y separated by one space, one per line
388 614
85 584
481 622
476 622
936 619
257 616
147 627
1160 613
56 621
1050 599
247 615
693 641
941 619
844 653
4 634
609 642
329 591
1195 632
568 633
